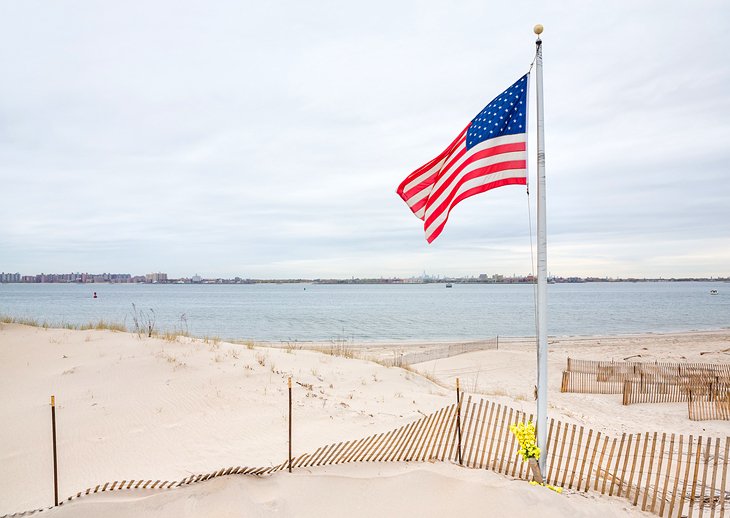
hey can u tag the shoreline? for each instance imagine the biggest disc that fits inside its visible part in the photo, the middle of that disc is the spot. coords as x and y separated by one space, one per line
359 343
502 339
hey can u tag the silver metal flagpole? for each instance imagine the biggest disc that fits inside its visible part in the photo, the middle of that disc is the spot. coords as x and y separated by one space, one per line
541 265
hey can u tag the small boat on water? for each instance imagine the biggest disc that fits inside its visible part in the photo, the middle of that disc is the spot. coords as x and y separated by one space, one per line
449 285
713 292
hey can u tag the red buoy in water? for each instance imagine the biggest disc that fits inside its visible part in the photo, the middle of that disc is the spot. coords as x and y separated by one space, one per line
94 294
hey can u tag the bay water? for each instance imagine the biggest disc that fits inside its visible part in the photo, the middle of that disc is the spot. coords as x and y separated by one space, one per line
383 312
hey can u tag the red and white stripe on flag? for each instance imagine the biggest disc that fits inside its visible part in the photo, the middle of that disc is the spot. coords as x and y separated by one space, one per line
473 163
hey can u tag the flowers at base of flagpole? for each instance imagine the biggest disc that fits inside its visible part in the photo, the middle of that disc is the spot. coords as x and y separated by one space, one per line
558 490
525 434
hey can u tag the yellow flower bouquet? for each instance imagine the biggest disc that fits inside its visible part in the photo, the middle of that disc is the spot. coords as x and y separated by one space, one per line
528 450
525 433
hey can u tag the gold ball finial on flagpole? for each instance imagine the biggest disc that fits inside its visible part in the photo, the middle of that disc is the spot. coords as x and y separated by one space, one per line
538 29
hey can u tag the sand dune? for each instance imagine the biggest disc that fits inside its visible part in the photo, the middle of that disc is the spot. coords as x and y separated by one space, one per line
365 490
131 407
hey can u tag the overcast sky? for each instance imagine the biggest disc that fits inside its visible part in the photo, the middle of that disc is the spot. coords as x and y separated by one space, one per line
267 139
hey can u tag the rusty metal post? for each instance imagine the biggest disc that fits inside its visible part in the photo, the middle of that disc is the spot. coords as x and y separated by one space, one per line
458 418
55 461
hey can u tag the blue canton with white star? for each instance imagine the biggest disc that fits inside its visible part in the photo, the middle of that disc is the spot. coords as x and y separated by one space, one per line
505 115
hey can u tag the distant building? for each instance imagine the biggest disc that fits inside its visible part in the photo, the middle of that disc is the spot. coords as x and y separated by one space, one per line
9 277
156 277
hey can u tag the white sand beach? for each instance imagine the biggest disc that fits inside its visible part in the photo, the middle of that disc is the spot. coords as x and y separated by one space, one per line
132 407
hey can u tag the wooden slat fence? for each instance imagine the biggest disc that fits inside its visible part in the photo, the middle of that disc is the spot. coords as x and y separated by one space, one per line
709 405
676 391
654 392
657 382
611 370
445 351
666 474
587 383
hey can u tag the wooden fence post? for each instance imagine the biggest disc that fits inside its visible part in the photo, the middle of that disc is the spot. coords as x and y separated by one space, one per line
458 418
289 383
55 461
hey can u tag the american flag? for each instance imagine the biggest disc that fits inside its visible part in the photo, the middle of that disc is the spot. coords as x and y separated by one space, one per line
490 152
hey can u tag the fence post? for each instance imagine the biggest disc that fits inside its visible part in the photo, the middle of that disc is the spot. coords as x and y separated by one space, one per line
55 462
289 383
458 418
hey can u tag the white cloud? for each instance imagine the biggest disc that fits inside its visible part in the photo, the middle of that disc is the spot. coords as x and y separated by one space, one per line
267 140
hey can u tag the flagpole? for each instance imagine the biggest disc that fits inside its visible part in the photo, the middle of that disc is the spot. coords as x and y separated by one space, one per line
541 264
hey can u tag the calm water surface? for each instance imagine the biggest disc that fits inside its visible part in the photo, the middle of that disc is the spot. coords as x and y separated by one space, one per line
305 312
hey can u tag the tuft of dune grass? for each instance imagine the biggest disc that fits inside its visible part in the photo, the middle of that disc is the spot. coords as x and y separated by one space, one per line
98 325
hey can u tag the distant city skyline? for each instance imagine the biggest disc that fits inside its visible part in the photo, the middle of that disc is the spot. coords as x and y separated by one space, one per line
163 278
268 139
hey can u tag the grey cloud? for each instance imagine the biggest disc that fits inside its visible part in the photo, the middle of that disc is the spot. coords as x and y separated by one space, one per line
268 139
